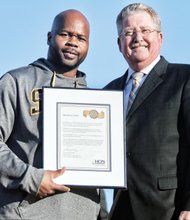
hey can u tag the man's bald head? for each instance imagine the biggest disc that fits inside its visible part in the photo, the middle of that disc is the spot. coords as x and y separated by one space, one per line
68 41
67 14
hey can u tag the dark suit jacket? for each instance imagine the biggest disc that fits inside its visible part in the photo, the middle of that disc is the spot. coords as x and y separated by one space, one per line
158 146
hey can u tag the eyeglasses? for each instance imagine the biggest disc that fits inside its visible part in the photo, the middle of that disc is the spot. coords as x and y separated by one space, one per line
143 31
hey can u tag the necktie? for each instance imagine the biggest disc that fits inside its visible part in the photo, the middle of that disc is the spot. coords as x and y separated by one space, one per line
136 77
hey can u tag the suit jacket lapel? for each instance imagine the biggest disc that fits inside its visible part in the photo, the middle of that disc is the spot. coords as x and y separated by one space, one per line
122 81
155 77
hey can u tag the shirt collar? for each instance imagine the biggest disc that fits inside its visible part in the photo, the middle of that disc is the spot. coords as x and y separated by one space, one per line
146 70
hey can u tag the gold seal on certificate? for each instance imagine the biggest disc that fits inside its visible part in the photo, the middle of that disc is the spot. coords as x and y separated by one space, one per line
94 114
81 133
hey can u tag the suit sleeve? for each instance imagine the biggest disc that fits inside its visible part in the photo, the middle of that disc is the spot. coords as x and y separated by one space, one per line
184 157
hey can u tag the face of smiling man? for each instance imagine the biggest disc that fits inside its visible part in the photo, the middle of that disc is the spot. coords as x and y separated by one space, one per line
140 42
68 42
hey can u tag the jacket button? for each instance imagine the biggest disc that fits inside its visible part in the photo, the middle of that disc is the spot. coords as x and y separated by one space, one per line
128 154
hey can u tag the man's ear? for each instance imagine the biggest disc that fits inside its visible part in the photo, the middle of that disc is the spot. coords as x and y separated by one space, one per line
48 38
119 43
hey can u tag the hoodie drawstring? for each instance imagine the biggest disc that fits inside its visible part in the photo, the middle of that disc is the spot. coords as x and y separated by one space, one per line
53 79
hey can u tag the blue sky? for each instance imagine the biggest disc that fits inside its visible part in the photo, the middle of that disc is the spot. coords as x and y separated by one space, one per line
24 26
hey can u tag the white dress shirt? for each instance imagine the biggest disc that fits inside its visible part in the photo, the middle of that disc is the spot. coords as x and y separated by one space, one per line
128 84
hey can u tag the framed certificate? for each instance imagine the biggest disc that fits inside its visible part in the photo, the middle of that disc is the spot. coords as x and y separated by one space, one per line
84 132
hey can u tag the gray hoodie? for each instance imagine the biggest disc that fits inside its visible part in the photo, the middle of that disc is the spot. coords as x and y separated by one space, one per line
21 150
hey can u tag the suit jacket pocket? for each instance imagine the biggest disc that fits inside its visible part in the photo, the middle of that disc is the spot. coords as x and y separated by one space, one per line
167 182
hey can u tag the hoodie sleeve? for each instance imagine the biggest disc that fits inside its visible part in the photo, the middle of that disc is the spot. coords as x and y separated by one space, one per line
103 215
14 173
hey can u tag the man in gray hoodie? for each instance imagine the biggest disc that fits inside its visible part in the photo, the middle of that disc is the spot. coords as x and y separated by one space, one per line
27 191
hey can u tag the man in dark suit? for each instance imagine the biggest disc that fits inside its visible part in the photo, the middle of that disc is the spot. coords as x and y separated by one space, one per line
157 123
